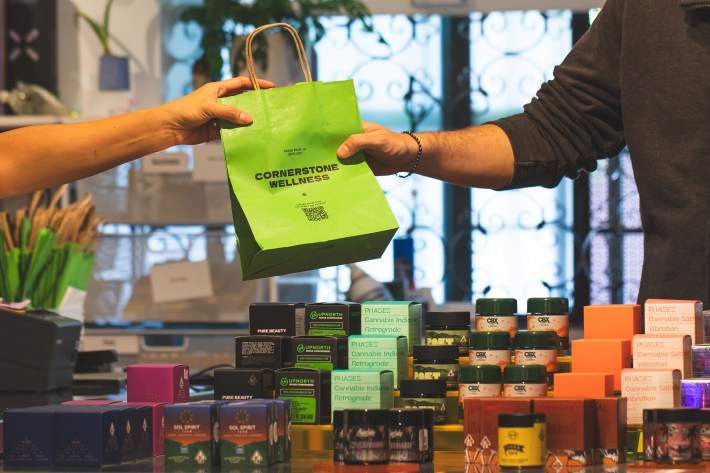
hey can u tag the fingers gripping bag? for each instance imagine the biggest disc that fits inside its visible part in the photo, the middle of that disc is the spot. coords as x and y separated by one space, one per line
295 205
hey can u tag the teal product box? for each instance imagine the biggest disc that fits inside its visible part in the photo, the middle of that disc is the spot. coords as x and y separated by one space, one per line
379 352
309 393
320 352
393 318
86 436
371 389
242 384
333 318
247 434
192 434
263 351
277 318
27 440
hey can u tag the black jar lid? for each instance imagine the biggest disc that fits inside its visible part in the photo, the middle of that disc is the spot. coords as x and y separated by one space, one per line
548 305
422 388
456 319
489 340
504 306
664 416
366 417
338 418
435 352
520 419
649 416
479 374
524 374
543 339
413 417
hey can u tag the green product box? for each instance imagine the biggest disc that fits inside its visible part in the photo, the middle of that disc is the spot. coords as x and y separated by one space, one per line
379 352
320 352
309 393
393 318
247 434
190 434
371 389
333 318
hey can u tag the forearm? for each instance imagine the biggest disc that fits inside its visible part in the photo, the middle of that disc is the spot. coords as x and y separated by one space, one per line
45 156
480 156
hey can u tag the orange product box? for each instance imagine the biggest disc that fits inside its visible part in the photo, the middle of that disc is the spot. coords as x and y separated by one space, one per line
611 429
621 321
601 356
571 425
584 385
480 425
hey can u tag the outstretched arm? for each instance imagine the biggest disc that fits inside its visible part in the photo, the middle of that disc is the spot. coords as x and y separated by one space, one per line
44 156
480 156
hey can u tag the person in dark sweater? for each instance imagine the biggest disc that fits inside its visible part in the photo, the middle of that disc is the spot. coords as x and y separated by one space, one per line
637 78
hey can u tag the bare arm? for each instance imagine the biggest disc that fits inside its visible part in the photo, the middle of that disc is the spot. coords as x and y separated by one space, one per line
480 156
39 157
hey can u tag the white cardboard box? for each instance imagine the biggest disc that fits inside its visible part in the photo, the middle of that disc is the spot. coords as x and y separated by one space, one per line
662 352
649 389
672 317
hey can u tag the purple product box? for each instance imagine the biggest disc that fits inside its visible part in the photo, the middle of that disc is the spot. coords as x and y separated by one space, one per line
28 436
157 427
158 383
695 393
700 361
86 436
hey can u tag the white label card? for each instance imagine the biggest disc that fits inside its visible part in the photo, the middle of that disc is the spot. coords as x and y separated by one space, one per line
209 163
181 281
166 163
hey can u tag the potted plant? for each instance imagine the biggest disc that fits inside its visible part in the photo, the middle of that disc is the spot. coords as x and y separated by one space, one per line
225 21
113 70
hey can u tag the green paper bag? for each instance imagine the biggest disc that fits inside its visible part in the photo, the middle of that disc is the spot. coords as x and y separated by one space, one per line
296 206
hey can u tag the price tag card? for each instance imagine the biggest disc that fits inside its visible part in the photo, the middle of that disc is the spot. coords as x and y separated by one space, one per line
166 163
209 163
181 281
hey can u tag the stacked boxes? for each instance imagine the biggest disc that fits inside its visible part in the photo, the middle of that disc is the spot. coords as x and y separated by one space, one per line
309 393
663 352
673 317
373 352
570 430
393 318
649 389
333 318
320 352
365 389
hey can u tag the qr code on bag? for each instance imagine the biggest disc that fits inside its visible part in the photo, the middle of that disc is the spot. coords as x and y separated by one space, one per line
314 214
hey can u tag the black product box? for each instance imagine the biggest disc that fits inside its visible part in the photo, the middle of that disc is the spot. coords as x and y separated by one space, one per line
273 318
263 351
320 352
309 393
140 432
333 318
28 436
239 384
87 436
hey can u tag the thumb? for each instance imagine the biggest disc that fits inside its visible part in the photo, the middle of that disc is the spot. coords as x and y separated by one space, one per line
353 144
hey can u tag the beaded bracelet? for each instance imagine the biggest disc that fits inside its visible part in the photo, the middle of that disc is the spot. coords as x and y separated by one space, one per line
416 160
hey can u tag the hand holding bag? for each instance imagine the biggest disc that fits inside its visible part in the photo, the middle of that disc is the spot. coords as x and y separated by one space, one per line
295 205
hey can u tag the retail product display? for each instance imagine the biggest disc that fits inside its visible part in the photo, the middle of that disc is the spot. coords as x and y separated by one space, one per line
28 436
550 313
365 389
192 434
525 381
158 383
379 352
611 427
522 440
448 328
571 430
677 436
495 315
674 317
263 351
154 426
425 394
338 437
437 362
393 318
333 318
490 348
320 352
309 393
662 351
366 434
247 434
238 384
277 318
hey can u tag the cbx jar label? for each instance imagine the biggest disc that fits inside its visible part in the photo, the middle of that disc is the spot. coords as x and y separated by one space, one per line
525 390
495 323
489 357
530 356
478 390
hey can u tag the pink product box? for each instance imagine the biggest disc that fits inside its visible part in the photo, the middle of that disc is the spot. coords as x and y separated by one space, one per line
158 424
158 383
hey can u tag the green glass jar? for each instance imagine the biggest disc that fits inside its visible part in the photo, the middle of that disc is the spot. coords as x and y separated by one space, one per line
497 315
448 328
534 347
490 348
550 313
478 381
524 381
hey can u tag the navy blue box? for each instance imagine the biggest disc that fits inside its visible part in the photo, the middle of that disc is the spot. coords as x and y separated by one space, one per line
28 436
86 436
142 429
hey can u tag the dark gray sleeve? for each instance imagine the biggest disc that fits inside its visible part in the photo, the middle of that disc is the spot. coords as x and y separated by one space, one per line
575 118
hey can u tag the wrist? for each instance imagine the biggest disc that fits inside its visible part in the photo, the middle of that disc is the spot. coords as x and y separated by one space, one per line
414 149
